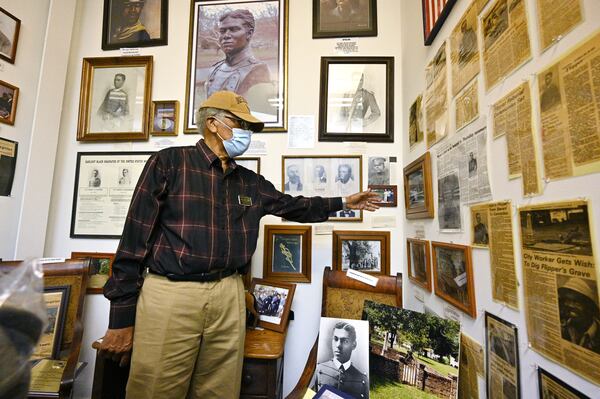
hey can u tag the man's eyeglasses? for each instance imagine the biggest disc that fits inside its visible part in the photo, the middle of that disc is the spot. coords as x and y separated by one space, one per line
241 123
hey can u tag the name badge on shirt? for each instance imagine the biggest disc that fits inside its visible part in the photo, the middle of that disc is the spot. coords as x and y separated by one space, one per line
245 201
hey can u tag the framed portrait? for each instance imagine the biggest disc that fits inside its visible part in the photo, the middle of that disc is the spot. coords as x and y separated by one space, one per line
273 302
252 163
453 276
9 35
435 13
325 176
99 271
501 358
419 262
287 253
480 226
104 185
388 195
356 100
239 46
380 170
114 102
165 118
418 194
8 164
135 23
365 251
56 300
348 18
9 95
550 387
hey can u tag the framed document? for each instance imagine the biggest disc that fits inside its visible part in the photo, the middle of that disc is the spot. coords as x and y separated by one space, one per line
287 253
365 251
104 185
56 300
99 271
9 35
352 18
273 302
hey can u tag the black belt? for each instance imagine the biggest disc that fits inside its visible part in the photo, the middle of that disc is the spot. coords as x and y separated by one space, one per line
200 277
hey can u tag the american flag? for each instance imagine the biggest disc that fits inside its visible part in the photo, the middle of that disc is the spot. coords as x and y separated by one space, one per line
434 14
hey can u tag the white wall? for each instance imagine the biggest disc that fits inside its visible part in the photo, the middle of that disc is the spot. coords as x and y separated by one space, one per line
415 58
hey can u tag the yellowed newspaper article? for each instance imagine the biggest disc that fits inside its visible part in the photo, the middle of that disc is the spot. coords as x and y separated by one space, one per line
502 358
512 117
505 39
570 109
467 106
470 366
550 387
557 17
415 124
436 98
560 285
464 51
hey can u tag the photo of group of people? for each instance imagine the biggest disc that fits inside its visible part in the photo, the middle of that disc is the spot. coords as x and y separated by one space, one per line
361 255
270 302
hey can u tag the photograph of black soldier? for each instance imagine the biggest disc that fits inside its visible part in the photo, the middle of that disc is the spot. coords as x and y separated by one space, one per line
480 229
134 23
343 356
344 18
549 91
379 171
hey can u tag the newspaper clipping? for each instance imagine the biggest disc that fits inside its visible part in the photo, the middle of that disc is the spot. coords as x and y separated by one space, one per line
467 106
557 17
505 39
569 109
436 98
512 117
502 358
470 366
561 291
464 51
415 123
551 387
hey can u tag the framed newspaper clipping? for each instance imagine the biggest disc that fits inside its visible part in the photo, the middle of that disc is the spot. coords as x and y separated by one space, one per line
550 387
501 358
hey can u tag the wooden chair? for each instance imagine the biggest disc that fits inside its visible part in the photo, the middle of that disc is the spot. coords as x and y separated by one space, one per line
344 297
73 273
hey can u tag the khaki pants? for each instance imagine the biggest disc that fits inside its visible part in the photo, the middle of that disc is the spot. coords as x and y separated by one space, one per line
188 340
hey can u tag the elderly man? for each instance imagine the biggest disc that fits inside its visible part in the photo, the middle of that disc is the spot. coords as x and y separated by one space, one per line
579 313
130 29
193 223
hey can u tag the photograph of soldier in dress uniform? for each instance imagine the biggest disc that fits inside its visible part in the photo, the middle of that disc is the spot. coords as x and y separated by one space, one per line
134 23
480 229
361 255
379 171
449 203
343 356
287 253
549 91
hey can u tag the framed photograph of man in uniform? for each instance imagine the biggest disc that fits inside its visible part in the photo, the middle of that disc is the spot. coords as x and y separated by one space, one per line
287 253
419 262
365 251
165 118
239 46
418 193
9 35
344 18
356 100
114 103
273 302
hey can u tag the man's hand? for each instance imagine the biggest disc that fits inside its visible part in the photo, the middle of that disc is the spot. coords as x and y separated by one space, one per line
363 200
116 345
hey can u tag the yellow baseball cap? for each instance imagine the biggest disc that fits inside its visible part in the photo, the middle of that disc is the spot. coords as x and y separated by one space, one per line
234 103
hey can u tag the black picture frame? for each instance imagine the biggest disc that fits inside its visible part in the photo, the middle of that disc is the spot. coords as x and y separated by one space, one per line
329 22
358 80
110 11
8 166
515 336
432 23
56 321
542 374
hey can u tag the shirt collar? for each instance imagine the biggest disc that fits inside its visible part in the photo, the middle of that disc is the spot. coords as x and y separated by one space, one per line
210 157
338 364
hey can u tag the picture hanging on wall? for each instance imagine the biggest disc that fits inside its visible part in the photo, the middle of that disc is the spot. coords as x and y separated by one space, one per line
419 262
135 23
8 164
501 358
252 64
348 18
287 253
418 193
252 163
435 13
356 100
9 95
551 387
365 251
165 118
100 269
9 35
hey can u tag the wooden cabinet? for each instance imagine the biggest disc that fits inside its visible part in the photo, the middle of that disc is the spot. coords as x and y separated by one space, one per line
262 374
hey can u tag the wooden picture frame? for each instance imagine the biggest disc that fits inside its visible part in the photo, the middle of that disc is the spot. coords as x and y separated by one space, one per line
165 118
287 253
325 176
252 163
56 299
100 269
351 250
435 13
351 19
264 292
504 344
263 83
452 270
108 102
418 192
419 262
136 24
9 33
9 96
356 100
388 194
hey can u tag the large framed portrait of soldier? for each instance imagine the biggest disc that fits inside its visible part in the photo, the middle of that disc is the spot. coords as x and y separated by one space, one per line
9 35
135 23
100 269
287 253
114 102
239 46
419 262
273 303
344 18
364 251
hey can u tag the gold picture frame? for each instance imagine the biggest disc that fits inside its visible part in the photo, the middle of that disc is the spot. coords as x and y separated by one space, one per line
165 118
100 269
9 95
418 192
420 275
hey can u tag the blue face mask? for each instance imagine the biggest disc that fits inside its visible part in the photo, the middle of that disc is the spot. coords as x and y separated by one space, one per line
239 143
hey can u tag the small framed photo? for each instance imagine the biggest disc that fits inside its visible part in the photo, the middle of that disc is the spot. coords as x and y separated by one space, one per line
365 251
9 35
453 276
480 226
419 262
56 300
165 118
9 95
348 18
99 271
114 103
135 23
418 194
388 194
252 163
287 253
356 101
273 301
